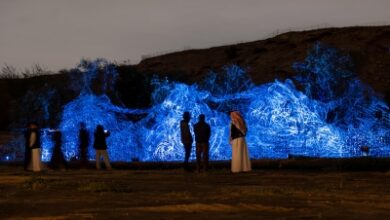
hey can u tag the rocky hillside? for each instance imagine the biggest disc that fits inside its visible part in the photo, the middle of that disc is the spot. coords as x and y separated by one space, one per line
272 58
266 61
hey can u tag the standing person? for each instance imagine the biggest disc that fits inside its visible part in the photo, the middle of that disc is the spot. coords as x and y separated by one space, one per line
100 146
240 155
202 135
27 149
186 138
34 143
83 144
57 159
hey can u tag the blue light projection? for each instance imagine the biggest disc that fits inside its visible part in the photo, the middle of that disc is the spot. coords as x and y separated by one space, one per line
333 115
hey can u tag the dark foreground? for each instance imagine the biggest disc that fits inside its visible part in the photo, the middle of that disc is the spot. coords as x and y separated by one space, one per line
175 194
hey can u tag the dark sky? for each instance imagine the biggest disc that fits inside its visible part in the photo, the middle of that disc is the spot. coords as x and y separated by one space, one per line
58 33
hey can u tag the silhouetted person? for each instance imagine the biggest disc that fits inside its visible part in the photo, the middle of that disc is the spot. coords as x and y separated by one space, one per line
100 146
202 135
186 138
57 159
27 149
83 144
34 143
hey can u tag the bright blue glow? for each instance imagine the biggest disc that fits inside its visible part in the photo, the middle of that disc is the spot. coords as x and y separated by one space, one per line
334 116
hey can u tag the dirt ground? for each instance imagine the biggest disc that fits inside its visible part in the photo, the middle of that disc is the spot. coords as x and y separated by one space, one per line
175 194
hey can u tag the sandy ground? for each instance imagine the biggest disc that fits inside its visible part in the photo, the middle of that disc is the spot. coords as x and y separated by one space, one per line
175 194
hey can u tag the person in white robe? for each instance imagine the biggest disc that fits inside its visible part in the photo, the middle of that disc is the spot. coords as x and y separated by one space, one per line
36 164
240 155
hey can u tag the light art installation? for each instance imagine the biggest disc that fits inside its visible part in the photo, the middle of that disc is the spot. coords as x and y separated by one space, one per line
332 115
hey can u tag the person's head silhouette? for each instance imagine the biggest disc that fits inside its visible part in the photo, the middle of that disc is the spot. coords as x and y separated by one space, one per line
82 125
202 117
186 116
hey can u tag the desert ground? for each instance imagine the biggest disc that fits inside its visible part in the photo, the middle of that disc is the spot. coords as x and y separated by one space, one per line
168 192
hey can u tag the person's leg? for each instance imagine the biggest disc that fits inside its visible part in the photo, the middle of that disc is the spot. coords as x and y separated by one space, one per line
106 160
27 157
97 158
206 156
187 149
35 160
236 155
198 156
83 156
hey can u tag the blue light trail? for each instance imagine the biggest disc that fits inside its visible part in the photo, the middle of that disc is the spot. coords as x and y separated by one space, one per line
333 115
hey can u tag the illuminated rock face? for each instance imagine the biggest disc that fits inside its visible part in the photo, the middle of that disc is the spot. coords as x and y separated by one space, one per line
333 115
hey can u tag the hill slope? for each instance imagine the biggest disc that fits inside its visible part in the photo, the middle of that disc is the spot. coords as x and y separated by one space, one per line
272 58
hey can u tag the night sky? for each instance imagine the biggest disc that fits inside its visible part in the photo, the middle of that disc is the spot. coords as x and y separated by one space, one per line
58 33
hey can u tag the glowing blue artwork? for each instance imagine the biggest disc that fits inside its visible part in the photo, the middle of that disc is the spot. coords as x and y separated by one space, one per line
334 115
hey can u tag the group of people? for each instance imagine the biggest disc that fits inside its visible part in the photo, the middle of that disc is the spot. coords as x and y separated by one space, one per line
32 158
240 156
202 135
